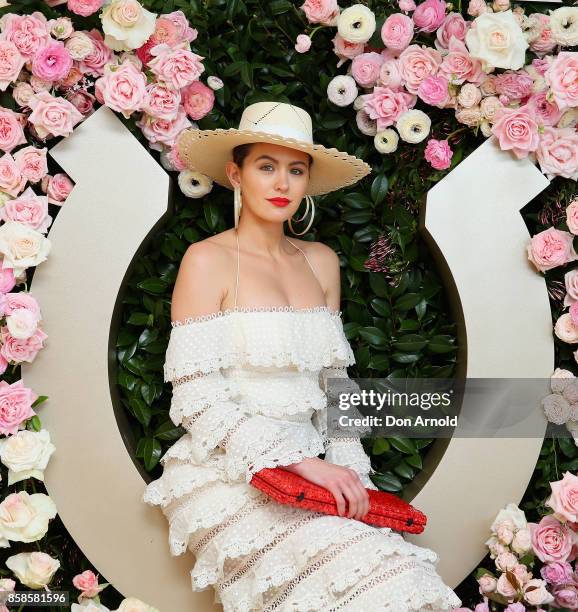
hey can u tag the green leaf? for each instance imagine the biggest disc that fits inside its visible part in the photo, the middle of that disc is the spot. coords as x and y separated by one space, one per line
441 344
381 307
168 431
379 362
410 343
211 213
405 357
415 461
378 284
34 424
387 482
374 336
404 470
407 301
153 285
405 445
151 453
379 188
140 410
380 446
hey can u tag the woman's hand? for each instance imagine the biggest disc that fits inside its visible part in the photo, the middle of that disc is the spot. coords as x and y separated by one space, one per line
343 483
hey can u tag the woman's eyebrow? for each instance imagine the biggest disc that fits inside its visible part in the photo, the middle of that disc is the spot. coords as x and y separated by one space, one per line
276 160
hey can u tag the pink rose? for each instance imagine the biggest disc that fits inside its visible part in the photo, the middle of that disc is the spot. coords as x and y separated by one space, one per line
572 217
397 31
162 132
477 7
87 582
545 42
53 62
429 15
454 25
365 68
416 63
551 540
57 188
562 78
557 572
571 284
52 116
505 587
557 152
18 351
11 63
566 596
93 64
406 5
198 100
546 112
438 153
22 93
386 105
573 310
15 406
564 498
184 31
516 130
161 102
320 11
11 179
176 67
459 66
515 85
19 300
389 75
433 90
28 32
84 7
516 607
32 163
82 101
29 209
177 163
7 280
123 88
541 64
303 43
551 248
11 132
166 31
345 49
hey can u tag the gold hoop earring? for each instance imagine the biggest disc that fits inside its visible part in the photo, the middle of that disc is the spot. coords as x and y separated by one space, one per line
310 203
237 204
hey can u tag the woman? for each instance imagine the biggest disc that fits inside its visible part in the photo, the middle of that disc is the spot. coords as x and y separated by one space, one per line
256 332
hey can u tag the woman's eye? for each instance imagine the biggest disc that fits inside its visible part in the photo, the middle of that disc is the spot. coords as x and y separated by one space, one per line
269 166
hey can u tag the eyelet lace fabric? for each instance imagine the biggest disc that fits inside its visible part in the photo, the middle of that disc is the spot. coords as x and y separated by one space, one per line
250 389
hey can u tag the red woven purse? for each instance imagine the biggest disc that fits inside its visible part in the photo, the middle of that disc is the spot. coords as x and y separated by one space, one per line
385 509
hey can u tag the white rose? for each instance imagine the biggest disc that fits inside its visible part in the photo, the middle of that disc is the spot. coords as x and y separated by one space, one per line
564 25
497 40
413 126
214 83
565 329
489 106
469 95
365 123
506 561
342 90
24 517
132 604
470 116
569 118
26 454
61 28
559 379
127 25
22 323
536 593
513 513
194 184
22 246
356 23
88 605
522 541
386 141
79 46
501 5
556 408
35 569
22 93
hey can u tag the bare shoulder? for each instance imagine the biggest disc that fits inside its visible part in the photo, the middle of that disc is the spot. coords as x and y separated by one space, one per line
321 254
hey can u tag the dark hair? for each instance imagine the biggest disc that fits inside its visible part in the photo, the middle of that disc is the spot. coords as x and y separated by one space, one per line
240 152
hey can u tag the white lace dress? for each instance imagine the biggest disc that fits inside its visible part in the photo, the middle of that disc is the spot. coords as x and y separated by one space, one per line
248 386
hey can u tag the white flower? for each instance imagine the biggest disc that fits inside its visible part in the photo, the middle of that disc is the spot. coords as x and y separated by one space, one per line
26 454
35 569
413 126
497 40
356 23
214 82
522 541
365 124
564 25
569 118
489 106
194 184
386 141
22 323
565 329
342 90
512 512
127 24
24 517
61 27
22 246
469 95
560 379
556 408
358 103
132 604
88 605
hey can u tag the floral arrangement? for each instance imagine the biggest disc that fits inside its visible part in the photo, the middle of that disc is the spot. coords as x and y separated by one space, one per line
477 68
140 65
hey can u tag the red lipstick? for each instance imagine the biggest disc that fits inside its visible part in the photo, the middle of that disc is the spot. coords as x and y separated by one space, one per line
279 201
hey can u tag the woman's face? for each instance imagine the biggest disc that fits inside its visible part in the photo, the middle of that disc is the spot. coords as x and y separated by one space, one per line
271 171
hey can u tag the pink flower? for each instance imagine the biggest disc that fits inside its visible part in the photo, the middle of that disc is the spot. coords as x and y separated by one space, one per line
15 406
166 31
397 31
176 67
545 41
389 75
345 49
11 179
198 100
515 85
429 15
386 105
320 11
11 132
7 280
162 132
564 498
551 540
52 116
557 572
87 582
93 64
406 5
365 68
557 152
82 101
459 66
516 130
541 64
11 63
303 43
566 596
57 188
123 88
28 32
84 7
184 31
546 112
22 92
454 25
562 77
433 90
29 209
516 607
17 350
551 248
438 153
176 162
572 217
32 163
53 62
161 101
22 300
416 63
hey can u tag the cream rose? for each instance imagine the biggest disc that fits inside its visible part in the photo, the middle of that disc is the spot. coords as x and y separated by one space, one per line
512 513
560 380
522 541
386 141
22 246
127 25
80 46
24 517
556 408
356 24
26 454
564 25
413 126
22 323
35 569
469 95
194 184
565 329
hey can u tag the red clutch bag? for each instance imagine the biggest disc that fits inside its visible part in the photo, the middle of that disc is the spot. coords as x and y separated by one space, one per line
385 509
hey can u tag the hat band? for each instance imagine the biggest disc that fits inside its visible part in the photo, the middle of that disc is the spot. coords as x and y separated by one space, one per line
285 131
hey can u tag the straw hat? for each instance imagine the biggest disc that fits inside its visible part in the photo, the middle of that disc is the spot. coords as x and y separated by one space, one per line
207 151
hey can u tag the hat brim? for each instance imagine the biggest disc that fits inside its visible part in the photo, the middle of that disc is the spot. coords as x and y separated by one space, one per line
207 151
